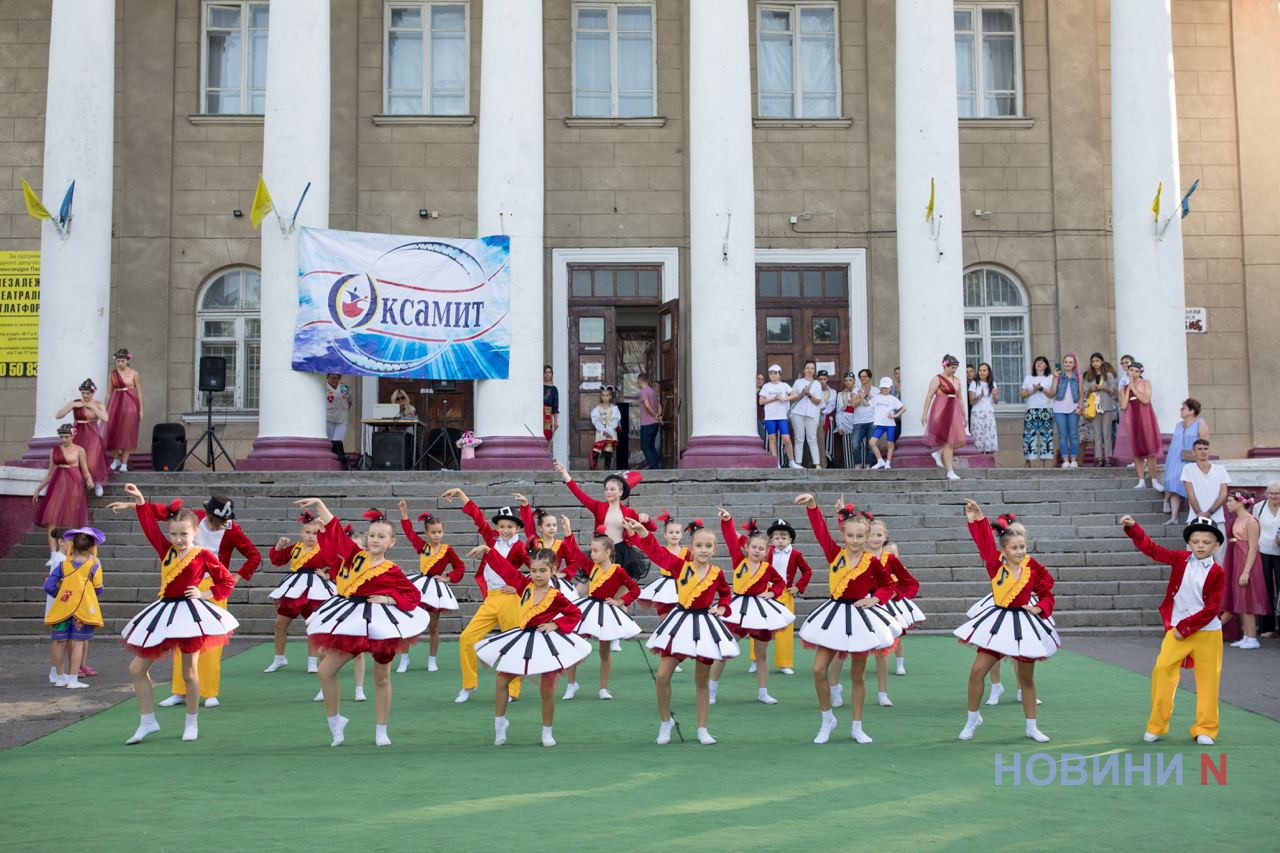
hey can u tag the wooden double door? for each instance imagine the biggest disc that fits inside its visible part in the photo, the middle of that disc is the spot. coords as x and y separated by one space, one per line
803 313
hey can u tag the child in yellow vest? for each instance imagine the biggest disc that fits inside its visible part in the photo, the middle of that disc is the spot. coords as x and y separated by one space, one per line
75 612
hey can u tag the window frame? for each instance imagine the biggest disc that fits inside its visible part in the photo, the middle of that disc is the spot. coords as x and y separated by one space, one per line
245 66
425 6
797 93
239 317
980 91
1010 401
611 6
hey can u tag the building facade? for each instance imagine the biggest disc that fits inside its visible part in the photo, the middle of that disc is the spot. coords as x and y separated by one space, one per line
698 188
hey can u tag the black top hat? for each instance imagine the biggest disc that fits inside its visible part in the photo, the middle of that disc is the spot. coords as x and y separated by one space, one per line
220 507
509 514
783 525
1202 524
627 480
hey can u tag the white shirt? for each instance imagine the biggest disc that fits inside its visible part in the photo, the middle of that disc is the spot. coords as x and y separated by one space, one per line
492 579
805 407
775 410
780 560
828 401
1270 527
862 412
1189 598
207 537
984 395
1207 487
606 421
882 408
1038 399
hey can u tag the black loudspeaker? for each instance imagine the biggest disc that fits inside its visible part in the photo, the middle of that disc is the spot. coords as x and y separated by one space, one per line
392 450
213 373
168 447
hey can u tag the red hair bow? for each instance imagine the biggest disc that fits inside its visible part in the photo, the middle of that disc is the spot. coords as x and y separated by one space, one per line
164 512
350 530
869 516
374 515
665 518
426 518
846 512
1007 519
307 517
694 526
750 527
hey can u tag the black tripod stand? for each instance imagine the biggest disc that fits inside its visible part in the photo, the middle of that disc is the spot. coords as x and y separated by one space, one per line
210 440
442 450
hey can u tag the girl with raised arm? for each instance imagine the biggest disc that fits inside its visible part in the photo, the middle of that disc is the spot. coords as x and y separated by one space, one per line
755 611
434 557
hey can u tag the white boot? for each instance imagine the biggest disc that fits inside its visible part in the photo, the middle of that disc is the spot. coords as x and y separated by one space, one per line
975 720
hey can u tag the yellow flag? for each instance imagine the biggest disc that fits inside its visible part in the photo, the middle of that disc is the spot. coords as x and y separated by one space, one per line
1155 204
262 204
35 207
928 211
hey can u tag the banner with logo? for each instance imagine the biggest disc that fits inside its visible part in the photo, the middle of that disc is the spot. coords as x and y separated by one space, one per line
19 312
413 307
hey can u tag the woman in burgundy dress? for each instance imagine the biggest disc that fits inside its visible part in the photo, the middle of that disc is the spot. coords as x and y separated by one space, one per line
124 410
1140 428
944 416
64 504
1246 593
89 416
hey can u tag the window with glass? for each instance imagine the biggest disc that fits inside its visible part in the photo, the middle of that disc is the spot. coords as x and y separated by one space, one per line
797 64
234 72
988 60
628 284
426 59
996 327
797 282
229 325
613 60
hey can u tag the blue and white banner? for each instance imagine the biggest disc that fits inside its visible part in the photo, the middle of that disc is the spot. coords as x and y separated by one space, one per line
387 305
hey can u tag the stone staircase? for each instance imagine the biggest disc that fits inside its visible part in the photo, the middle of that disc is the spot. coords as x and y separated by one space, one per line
1102 583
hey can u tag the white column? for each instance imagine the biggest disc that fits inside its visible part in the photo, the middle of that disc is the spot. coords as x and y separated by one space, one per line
508 412
75 273
930 256
722 221
1149 285
295 151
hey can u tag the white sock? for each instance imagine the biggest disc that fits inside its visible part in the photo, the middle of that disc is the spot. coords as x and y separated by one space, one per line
829 718
333 721
546 731
974 718
380 736
73 679
53 672
192 719
313 662
431 661
281 659
148 719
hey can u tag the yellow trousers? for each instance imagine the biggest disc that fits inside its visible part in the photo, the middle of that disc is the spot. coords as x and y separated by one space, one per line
784 641
208 668
499 610
1205 648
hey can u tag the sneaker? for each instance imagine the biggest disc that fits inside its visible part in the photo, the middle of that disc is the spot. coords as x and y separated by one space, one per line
547 739
1238 643
902 668
115 466
1149 737
752 668
859 735
664 731
404 664
712 687
1250 643
336 729
883 699
678 668
319 697
97 490
824 732
175 699
277 664
191 731
763 696
997 690
313 665
1036 735
144 729
124 469
888 465
786 670
615 646
1141 485
570 690
53 675
380 737
360 697
937 458
605 694
1158 486
970 727
1171 522
705 738
61 681
795 464
952 475
500 726
837 696
431 665
463 695
212 702
1204 740
74 683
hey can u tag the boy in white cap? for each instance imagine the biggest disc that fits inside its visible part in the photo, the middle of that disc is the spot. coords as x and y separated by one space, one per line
776 397
885 407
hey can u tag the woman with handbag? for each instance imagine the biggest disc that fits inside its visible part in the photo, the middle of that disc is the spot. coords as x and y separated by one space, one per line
1099 386
1186 433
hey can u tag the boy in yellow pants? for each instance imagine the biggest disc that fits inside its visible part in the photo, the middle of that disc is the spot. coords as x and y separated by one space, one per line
501 607
1193 632
792 565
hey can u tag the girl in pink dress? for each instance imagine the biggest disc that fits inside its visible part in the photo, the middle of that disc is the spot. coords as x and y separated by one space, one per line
64 504
124 410
1141 429
89 415
1246 592
944 416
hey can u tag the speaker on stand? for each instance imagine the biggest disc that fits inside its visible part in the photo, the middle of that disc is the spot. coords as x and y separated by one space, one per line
212 378
168 447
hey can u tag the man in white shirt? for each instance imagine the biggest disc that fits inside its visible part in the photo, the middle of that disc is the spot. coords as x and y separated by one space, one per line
807 393
1206 484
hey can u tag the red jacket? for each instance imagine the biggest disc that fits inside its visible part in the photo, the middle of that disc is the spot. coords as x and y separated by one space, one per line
233 539
1215 584
341 549
1041 582
518 556
609 588
903 581
533 541
204 562
599 509
561 610
718 594
875 581
769 581
321 560
799 572
445 558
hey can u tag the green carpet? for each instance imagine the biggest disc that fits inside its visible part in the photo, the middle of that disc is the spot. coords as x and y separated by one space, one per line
263 777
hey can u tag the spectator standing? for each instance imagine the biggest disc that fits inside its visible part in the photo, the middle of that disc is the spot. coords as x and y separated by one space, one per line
1066 408
897 388
1100 381
764 437
337 407
806 392
1206 484
1140 428
885 407
1186 432
1245 595
984 393
1268 514
844 416
863 419
970 374
826 416
605 417
550 403
650 421
776 396
1037 420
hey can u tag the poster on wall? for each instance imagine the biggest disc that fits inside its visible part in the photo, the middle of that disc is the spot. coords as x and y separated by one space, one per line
1197 321
19 312
412 307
